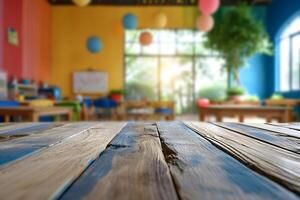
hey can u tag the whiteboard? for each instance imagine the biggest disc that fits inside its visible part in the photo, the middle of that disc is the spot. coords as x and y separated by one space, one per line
93 82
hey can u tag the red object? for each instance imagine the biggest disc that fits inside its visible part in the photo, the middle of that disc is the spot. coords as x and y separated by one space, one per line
205 23
116 97
208 7
203 103
146 38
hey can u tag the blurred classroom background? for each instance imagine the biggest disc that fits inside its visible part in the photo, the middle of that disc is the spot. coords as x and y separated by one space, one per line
149 60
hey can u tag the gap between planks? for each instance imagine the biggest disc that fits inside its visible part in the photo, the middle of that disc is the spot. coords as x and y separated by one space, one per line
132 167
17 149
202 171
278 164
263 135
12 131
293 126
50 171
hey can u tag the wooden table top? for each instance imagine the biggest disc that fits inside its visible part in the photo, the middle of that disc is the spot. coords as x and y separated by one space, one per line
149 160
35 109
245 107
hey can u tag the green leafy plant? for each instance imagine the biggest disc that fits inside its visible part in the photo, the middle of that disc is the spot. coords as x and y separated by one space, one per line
117 91
237 36
214 93
276 96
235 91
251 98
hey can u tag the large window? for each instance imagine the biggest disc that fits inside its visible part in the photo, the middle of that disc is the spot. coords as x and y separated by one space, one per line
289 56
174 67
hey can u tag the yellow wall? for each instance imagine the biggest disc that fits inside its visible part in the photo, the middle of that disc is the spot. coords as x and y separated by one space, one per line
71 26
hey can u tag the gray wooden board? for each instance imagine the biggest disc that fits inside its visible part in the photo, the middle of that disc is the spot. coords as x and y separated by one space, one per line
202 171
132 167
284 132
276 163
46 174
18 148
15 129
294 126
262 135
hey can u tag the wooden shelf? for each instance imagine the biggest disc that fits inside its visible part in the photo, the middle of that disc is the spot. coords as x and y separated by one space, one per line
26 90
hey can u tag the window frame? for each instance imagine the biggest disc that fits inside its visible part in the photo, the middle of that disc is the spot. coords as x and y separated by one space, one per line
279 39
194 56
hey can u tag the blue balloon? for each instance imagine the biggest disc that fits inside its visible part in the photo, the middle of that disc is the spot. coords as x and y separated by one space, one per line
94 44
130 21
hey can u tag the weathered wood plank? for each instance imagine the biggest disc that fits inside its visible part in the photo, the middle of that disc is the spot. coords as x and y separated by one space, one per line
26 146
15 129
280 131
46 174
278 164
294 126
262 135
202 171
132 167
5 125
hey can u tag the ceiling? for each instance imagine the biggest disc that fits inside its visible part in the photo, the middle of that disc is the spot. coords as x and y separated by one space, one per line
155 2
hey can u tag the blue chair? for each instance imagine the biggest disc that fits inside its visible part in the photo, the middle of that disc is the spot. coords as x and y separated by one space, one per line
7 103
105 108
87 102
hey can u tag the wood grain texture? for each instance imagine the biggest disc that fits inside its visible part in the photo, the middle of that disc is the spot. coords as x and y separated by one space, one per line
15 129
46 174
131 168
262 135
25 146
279 131
278 164
202 171
294 126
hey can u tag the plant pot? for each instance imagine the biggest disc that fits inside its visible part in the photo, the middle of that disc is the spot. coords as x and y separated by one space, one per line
235 98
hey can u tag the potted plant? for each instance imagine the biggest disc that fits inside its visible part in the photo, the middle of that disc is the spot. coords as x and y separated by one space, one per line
237 36
235 93
116 95
276 96
215 93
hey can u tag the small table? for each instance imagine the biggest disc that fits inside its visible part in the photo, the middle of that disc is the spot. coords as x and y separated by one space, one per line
284 114
282 102
32 114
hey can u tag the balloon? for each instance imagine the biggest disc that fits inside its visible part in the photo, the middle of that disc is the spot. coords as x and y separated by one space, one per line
94 44
82 3
161 20
146 38
208 7
205 23
130 21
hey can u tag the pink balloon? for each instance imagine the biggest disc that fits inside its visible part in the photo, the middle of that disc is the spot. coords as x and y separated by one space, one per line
205 23
208 7
146 38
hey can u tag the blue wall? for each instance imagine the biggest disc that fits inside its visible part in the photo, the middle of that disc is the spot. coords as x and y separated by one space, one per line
278 13
260 75
253 76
